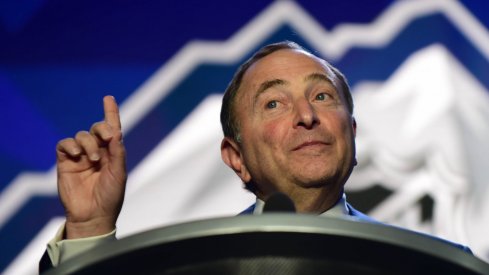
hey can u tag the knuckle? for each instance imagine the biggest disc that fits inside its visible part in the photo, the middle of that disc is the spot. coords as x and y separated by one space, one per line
85 139
64 142
117 133
97 125
81 134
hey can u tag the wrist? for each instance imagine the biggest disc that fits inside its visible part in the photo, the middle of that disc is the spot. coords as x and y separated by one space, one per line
96 227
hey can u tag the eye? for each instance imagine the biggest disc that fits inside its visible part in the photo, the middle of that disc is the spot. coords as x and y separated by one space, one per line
272 104
322 96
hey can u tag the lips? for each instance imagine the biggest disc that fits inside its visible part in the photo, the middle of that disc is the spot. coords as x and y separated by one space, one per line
310 144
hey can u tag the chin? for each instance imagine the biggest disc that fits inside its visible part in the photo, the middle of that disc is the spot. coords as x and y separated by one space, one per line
316 181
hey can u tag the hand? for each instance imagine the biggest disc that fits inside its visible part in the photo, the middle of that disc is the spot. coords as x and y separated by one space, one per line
92 176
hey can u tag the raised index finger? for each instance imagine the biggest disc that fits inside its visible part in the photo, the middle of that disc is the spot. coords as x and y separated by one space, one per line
111 112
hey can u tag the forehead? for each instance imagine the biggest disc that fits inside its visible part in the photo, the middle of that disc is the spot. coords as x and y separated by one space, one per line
284 64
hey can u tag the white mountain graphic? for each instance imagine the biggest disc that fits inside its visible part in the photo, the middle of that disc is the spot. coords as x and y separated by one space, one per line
424 131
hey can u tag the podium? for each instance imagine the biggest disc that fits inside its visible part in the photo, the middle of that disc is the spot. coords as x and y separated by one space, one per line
275 244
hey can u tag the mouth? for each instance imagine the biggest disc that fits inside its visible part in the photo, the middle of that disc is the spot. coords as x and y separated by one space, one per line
310 144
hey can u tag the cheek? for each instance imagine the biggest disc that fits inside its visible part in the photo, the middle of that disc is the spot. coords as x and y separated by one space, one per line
347 135
341 126
272 133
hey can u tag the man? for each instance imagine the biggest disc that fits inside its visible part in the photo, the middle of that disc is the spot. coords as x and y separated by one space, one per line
293 129
288 127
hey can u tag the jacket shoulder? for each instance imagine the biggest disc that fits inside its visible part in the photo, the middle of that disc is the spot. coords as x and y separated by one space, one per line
363 217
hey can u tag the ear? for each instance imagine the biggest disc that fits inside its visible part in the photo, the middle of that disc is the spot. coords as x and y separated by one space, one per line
231 155
354 126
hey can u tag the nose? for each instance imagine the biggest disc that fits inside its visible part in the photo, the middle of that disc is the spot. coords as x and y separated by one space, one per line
305 114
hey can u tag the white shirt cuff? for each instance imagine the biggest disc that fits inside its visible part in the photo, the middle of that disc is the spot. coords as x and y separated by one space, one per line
60 250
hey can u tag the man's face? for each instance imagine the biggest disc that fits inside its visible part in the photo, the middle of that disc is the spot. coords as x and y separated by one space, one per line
295 129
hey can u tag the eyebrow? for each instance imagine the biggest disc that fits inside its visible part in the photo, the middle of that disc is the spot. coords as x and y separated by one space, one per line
318 77
269 84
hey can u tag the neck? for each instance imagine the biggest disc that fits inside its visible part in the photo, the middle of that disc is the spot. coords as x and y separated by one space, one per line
312 200
315 202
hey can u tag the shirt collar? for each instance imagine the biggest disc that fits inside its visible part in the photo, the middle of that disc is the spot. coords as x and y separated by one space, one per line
338 210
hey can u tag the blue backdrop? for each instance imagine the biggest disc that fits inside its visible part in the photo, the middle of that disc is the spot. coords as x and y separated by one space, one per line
59 58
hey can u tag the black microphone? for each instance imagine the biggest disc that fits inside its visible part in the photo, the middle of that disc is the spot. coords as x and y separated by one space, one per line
279 202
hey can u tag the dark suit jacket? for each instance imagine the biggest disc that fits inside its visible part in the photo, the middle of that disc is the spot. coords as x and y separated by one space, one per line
364 218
